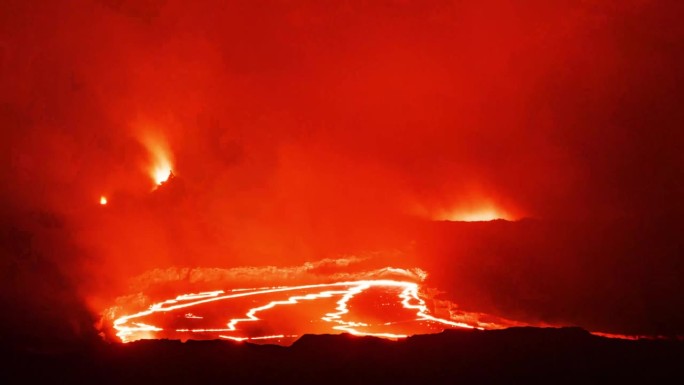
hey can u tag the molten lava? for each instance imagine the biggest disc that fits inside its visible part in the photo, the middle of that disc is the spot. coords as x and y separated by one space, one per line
483 213
161 162
383 308
477 216
162 174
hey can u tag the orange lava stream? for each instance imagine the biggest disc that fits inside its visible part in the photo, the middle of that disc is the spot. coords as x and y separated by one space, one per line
273 337
129 330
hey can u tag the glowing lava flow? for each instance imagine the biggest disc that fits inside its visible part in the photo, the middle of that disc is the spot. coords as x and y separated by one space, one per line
129 327
481 214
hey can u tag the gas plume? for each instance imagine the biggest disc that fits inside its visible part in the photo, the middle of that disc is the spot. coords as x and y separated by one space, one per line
152 135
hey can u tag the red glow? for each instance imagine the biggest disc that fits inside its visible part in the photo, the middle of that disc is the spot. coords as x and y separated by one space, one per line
162 174
403 312
160 166
477 209
282 134
478 215
277 338
618 336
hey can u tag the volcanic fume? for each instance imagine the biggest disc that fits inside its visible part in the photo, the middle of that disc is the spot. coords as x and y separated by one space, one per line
244 170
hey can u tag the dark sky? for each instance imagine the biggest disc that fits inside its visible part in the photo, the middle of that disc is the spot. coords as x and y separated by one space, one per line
301 130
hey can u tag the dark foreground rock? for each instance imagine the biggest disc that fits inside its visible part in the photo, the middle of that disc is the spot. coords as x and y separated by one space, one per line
516 355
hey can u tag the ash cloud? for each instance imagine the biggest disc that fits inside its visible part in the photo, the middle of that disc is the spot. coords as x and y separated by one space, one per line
308 130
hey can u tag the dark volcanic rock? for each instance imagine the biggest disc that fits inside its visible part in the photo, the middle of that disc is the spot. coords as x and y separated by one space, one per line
515 355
